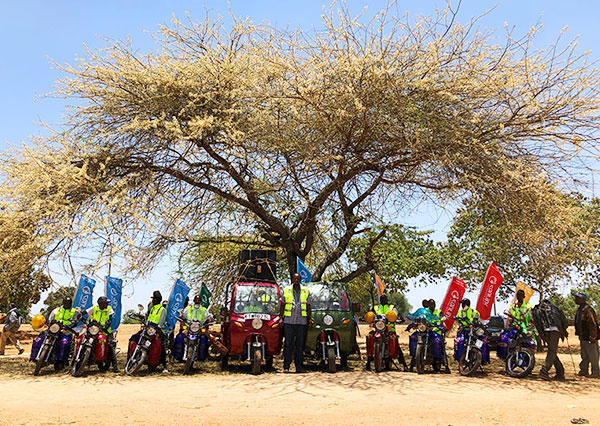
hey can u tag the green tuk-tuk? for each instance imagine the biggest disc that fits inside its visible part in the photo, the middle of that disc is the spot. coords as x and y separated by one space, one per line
333 335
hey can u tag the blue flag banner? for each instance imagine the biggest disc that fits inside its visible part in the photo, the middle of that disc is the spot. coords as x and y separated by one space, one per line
304 272
176 300
84 294
114 290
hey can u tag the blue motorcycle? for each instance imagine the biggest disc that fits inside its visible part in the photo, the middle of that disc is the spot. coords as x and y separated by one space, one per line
516 346
192 345
427 347
471 348
53 346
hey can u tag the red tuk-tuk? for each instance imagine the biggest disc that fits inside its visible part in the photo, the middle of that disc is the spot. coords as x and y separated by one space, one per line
251 329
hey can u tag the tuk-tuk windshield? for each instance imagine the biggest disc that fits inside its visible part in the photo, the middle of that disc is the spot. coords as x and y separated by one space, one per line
329 297
259 299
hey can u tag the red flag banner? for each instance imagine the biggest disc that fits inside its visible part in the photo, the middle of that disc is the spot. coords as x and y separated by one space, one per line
451 304
493 279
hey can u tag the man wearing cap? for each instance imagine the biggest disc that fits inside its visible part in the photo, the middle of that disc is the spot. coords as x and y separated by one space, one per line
586 327
103 314
296 313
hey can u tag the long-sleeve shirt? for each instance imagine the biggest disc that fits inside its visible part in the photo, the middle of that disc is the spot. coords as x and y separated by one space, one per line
586 323
13 321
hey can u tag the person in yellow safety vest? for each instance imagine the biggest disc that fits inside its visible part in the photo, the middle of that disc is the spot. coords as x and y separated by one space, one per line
295 313
520 311
467 312
436 324
65 313
383 309
103 314
195 312
156 314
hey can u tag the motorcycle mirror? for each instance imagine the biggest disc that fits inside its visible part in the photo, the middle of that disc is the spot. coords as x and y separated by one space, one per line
140 307
356 307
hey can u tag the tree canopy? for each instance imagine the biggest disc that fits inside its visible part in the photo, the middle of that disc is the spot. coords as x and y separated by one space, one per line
302 139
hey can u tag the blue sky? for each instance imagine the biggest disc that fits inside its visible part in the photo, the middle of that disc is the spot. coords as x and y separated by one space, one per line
32 32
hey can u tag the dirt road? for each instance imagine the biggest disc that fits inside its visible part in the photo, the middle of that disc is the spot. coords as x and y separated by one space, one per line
352 397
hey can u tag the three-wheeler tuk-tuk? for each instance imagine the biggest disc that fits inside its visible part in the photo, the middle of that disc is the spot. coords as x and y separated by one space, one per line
251 329
333 334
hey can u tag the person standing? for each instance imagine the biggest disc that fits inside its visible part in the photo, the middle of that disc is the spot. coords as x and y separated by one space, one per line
586 327
296 313
552 324
11 328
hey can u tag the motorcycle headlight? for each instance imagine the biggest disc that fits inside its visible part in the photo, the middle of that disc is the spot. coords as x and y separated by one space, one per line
94 330
479 332
54 328
380 325
422 328
328 320
257 323
195 327
151 331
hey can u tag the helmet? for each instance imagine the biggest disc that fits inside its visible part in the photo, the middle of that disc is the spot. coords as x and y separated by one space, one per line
38 321
369 317
391 315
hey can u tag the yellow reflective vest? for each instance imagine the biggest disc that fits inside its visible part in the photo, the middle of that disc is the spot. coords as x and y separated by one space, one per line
288 295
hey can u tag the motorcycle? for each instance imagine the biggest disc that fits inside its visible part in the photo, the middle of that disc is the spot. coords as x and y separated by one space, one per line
52 347
192 345
427 346
471 348
91 347
146 350
516 346
382 344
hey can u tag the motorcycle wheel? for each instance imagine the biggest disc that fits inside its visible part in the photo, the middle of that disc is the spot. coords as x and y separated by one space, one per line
420 359
378 357
467 368
520 363
331 360
224 361
189 362
41 360
269 361
79 366
135 362
256 361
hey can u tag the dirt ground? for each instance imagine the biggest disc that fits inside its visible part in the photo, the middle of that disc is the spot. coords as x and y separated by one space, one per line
349 397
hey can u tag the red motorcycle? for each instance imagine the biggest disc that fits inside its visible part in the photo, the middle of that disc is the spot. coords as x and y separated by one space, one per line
91 347
145 349
251 329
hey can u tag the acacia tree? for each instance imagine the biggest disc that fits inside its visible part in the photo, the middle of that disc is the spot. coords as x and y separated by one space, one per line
563 248
301 138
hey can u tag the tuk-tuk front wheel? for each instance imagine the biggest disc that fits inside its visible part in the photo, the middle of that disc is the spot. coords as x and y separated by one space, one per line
256 361
331 359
